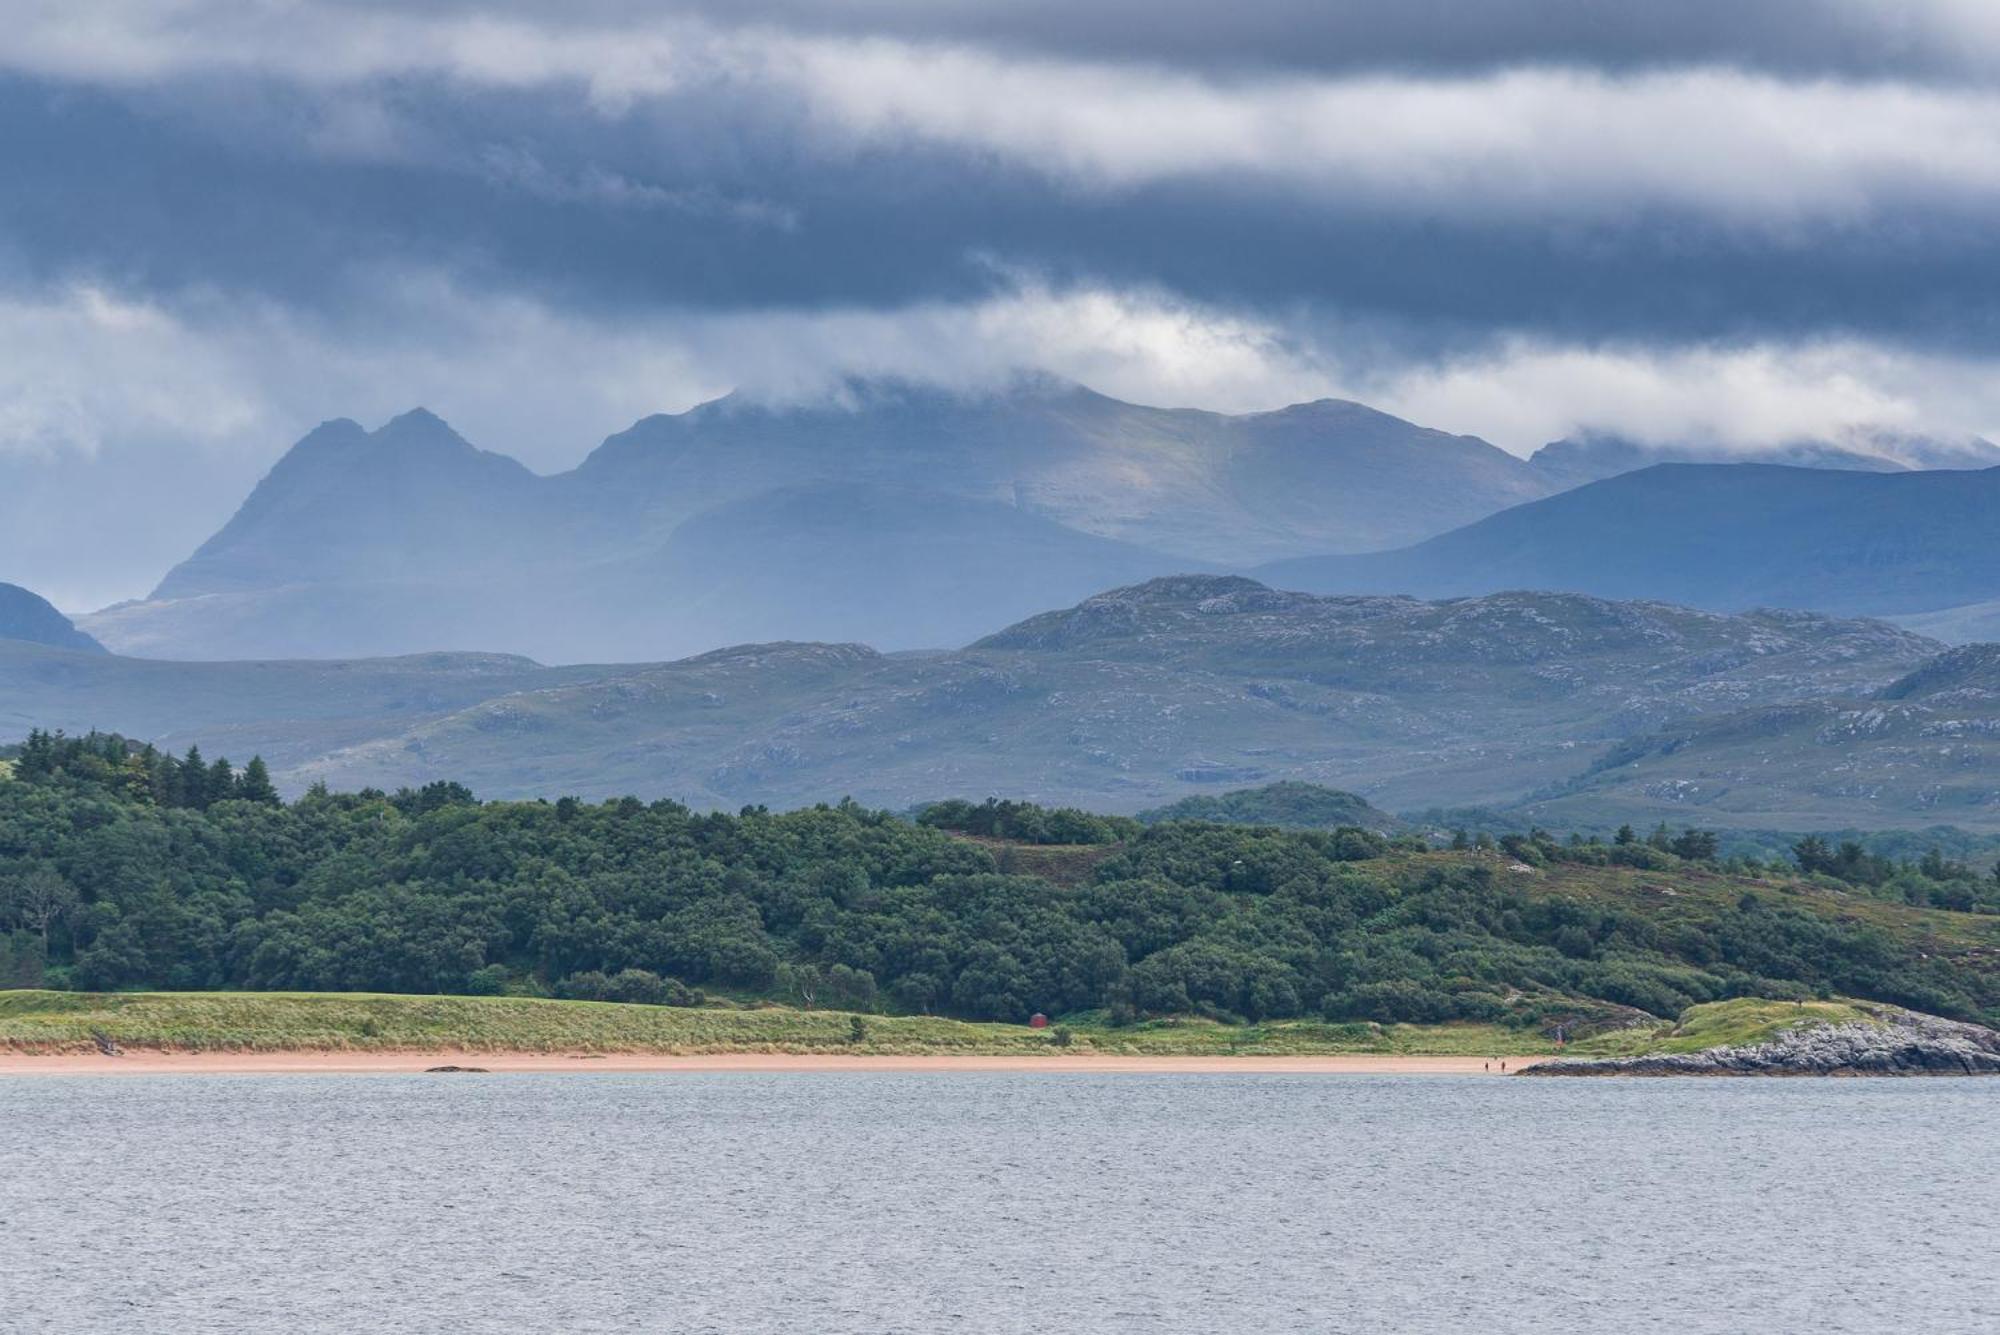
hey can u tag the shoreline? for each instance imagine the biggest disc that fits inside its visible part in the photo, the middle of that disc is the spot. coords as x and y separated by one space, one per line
156 1062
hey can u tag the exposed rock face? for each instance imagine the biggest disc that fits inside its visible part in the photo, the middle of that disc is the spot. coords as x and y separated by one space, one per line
1900 1043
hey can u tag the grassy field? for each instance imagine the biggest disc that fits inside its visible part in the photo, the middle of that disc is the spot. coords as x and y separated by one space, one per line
295 1021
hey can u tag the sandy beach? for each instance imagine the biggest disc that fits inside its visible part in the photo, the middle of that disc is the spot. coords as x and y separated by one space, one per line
394 1063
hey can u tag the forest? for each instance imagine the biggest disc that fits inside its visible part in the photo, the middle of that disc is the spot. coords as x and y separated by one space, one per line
121 868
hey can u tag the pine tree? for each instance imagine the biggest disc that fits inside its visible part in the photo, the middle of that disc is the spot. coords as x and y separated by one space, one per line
192 790
255 785
38 756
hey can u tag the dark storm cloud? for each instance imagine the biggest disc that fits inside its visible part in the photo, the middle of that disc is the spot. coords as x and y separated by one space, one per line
220 223
1860 38
709 203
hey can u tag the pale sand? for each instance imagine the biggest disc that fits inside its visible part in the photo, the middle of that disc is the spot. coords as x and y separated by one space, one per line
388 1063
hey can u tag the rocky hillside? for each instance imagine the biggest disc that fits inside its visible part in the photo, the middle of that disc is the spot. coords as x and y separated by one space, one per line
1927 744
1874 1039
1126 701
1150 693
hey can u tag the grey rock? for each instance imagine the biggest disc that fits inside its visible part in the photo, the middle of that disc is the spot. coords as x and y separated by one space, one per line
1895 1042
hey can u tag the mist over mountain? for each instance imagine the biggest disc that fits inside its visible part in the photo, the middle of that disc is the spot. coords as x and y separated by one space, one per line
1125 701
1591 457
29 617
898 514
1720 536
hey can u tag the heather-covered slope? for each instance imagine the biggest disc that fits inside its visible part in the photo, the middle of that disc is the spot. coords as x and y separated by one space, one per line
1126 701
1146 694
1923 750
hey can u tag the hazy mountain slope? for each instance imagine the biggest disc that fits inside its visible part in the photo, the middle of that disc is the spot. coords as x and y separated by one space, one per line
905 516
28 616
1724 536
1144 695
888 566
1968 624
897 568
344 504
290 712
1207 487
1923 750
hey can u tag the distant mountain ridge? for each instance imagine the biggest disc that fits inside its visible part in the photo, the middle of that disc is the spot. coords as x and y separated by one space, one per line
912 517
904 515
1723 536
1126 701
29 617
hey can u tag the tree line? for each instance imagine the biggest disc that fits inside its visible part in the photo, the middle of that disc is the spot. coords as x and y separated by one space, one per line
114 873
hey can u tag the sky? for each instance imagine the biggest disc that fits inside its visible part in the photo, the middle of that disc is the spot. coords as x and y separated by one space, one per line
224 221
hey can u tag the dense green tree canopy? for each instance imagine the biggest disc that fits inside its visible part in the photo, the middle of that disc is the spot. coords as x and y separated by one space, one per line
115 873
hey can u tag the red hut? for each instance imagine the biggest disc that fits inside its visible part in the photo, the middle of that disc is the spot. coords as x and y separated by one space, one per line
1038 1021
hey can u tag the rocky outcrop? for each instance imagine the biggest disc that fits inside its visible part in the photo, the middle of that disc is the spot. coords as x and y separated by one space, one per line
1894 1042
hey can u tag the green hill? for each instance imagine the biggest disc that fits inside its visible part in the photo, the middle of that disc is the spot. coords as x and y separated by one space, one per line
1290 805
115 874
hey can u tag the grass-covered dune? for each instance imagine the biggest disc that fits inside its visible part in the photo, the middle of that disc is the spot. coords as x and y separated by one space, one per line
57 1022
69 1022
1739 1023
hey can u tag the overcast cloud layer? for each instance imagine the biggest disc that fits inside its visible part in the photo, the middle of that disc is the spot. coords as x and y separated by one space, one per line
225 221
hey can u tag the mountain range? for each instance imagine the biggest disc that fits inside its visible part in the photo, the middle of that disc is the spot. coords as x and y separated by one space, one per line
1122 702
909 517
906 516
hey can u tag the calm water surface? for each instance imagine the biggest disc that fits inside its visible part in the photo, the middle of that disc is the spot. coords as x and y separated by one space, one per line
996 1202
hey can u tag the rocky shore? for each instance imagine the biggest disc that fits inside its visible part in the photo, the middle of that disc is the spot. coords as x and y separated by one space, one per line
1893 1042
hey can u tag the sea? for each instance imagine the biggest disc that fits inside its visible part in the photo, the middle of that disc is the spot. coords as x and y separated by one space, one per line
1000 1201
